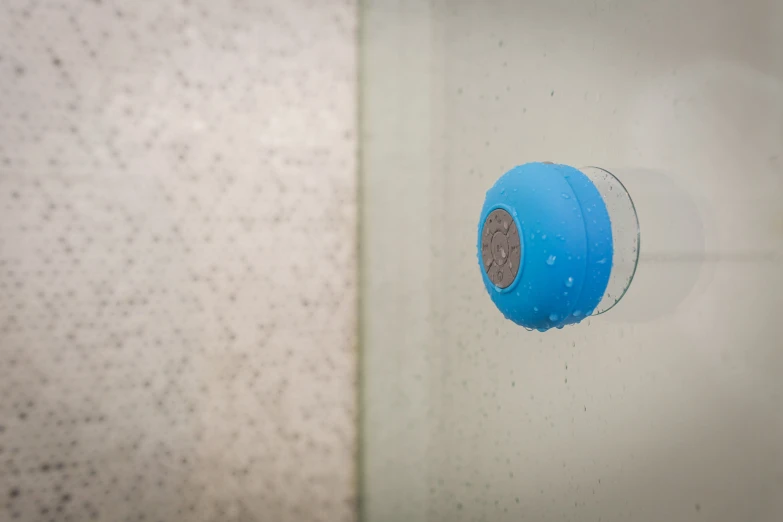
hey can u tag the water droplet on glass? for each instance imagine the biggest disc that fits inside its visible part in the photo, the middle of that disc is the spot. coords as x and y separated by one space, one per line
532 236
577 313
551 260
503 191
543 237
553 317
601 261
535 309
569 282
559 327
565 196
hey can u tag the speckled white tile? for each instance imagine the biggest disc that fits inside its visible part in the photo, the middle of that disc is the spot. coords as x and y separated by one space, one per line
177 260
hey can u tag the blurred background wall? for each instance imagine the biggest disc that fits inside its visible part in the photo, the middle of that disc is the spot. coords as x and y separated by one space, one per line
177 260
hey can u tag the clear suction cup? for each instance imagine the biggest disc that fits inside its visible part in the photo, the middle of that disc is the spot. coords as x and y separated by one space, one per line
625 235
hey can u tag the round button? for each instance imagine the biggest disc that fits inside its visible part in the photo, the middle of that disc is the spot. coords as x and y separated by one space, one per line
501 250
499 247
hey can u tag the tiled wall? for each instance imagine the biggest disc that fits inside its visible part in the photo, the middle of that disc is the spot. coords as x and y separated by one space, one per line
177 260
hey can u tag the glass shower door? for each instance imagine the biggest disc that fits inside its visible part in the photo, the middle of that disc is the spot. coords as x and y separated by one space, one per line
667 407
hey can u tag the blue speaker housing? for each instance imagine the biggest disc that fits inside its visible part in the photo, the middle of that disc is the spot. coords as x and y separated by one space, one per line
567 249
